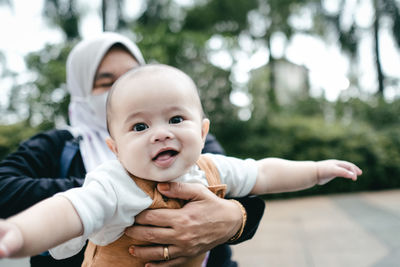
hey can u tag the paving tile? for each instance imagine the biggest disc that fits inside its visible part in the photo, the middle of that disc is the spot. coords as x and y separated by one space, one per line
357 230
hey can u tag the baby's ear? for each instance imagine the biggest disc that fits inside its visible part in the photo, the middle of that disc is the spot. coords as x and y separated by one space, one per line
111 145
205 127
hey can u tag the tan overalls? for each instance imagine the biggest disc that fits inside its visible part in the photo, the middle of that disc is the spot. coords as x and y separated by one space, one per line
116 254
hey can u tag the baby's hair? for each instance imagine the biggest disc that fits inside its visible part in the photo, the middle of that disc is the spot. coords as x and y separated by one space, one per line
144 69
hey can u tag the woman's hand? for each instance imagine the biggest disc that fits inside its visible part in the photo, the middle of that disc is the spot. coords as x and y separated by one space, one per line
203 223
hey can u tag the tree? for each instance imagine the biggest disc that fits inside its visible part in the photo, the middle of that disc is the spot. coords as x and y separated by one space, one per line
63 14
376 29
390 9
43 98
164 36
6 2
112 15
349 37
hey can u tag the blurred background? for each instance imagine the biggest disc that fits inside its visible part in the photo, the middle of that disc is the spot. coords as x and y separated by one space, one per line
305 79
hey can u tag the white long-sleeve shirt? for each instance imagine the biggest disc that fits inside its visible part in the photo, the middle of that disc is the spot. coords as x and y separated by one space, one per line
109 199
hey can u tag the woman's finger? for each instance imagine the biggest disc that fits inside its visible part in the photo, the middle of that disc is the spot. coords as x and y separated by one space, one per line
155 253
157 217
185 191
157 235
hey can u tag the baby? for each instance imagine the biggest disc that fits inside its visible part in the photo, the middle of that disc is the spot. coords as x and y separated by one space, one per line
157 131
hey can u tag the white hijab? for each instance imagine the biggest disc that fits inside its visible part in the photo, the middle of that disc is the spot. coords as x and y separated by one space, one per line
82 64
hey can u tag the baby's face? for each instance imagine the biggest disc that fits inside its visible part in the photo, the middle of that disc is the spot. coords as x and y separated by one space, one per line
157 125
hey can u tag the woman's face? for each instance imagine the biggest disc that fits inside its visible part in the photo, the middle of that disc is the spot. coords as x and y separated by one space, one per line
115 63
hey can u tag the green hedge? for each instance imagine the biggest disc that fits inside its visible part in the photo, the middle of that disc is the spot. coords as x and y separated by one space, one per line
377 153
12 135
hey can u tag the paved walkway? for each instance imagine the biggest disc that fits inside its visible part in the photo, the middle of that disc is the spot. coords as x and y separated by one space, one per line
350 230
357 230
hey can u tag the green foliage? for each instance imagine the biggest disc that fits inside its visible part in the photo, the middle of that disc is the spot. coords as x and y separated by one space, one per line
12 135
186 50
63 14
376 111
46 94
220 16
299 137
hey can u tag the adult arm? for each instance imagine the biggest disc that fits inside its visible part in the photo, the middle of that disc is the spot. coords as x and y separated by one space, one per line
31 174
254 205
203 223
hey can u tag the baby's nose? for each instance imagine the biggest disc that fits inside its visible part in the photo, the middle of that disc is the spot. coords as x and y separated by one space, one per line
161 134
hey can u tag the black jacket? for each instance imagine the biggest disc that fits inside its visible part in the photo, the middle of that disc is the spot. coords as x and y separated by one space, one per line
32 173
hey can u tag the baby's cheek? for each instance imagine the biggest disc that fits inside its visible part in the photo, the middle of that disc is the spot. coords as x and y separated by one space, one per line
130 164
137 170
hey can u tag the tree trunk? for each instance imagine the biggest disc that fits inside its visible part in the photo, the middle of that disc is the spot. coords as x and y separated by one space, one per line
378 65
272 78
104 14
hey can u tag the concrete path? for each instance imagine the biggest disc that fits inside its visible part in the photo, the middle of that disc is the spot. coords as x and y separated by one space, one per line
357 230
350 230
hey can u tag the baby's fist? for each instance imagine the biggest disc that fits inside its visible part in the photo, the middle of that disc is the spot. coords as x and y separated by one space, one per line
11 240
332 168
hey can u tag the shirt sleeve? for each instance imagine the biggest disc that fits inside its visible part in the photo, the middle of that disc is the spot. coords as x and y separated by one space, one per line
106 205
239 175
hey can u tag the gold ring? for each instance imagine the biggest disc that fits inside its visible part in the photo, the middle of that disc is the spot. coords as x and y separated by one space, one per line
166 253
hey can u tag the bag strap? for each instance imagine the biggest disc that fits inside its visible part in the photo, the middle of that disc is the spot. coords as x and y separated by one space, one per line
68 153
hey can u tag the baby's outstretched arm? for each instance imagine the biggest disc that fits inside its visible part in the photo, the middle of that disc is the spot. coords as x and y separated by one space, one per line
39 228
279 175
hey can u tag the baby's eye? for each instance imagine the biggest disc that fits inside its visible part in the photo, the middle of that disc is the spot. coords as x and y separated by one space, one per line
176 119
138 127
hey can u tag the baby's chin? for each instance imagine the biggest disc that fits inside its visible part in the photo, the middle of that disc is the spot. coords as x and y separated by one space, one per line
164 176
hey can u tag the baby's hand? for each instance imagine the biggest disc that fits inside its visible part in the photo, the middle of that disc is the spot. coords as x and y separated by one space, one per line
11 240
329 169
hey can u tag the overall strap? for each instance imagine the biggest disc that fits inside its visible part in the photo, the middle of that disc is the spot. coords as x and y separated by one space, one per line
212 175
159 201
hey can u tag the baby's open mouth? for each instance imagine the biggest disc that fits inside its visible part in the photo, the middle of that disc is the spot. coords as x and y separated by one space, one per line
164 155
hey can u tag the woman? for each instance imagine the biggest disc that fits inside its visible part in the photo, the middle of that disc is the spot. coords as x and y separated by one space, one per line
57 160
